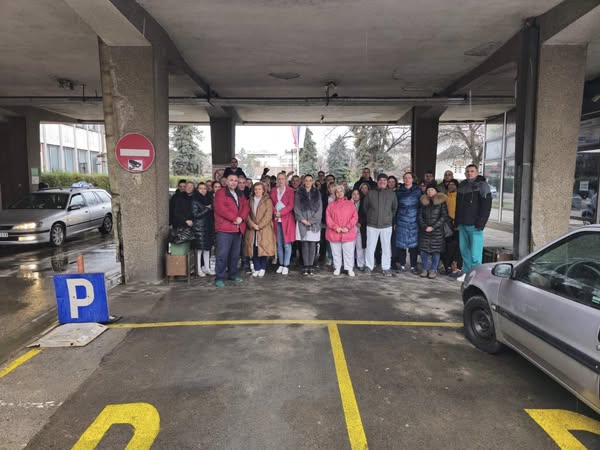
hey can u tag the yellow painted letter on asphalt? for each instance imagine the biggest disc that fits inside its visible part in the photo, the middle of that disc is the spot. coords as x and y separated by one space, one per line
356 432
558 422
143 417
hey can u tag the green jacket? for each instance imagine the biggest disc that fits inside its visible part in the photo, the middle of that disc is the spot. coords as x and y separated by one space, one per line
380 206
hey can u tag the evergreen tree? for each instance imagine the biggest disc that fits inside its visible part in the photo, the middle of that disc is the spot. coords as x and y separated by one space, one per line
339 159
308 155
248 163
375 145
187 158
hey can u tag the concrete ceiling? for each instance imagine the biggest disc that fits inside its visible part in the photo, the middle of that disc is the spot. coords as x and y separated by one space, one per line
371 48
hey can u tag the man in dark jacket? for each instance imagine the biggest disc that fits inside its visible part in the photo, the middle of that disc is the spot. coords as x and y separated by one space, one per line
180 190
182 206
380 206
231 210
233 169
366 178
473 207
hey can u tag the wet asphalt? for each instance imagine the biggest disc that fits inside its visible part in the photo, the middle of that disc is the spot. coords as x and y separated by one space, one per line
275 386
27 301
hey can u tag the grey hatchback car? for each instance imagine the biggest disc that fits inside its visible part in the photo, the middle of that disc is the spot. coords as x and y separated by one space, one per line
51 215
546 307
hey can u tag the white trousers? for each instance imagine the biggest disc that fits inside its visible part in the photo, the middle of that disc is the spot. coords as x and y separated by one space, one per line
345 250
202 255
373 234
360 251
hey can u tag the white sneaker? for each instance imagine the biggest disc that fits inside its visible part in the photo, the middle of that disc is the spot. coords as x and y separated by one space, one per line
351 273
336 272
261 273
279 269
201 274
462 277
285 271
208 271
254 274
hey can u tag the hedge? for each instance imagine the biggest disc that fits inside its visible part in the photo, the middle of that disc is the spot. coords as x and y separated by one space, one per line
66 179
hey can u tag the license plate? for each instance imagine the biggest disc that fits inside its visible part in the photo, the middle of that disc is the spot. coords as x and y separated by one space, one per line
3 235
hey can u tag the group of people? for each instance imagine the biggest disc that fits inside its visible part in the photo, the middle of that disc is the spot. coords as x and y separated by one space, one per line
314 217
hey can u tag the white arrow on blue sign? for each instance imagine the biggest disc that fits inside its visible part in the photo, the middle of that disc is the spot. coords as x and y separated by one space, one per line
81 297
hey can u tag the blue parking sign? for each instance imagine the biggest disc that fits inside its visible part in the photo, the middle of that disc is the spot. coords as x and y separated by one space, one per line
81 297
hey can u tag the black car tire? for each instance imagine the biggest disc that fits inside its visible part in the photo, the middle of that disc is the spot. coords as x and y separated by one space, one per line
107 225
479 325
57 235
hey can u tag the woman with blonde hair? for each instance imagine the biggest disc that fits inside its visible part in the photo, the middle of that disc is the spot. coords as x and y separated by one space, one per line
259 239
341 219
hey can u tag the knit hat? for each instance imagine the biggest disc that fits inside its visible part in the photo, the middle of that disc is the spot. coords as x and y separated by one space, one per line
382 175
433 186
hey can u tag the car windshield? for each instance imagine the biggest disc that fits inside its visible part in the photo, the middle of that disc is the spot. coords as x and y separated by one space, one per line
45 200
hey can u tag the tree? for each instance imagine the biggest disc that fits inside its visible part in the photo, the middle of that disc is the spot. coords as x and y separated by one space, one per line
308 155
187 158
339 158
468 136
375 146
249 164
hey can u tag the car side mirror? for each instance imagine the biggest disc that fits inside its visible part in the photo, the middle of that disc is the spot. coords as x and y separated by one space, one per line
503 270
74 207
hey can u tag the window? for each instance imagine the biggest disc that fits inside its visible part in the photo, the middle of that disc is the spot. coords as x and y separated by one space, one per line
69 159
82 155
53 158
77 200
103 196
41 201
94 161
90 198
570 268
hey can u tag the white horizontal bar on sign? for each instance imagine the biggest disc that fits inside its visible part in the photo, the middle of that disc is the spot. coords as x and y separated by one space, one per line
134 152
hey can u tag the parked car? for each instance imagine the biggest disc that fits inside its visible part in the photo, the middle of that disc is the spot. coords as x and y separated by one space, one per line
546 307
52 215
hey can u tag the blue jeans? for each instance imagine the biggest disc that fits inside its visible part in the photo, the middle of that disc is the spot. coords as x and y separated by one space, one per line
260 262
284 249
228 255
435 261
471 246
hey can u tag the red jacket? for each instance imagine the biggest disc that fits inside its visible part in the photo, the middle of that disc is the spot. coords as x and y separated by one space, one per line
226 211
288 222
341 214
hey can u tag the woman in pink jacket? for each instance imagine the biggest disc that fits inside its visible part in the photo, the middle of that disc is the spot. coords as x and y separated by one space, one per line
285 225
341 218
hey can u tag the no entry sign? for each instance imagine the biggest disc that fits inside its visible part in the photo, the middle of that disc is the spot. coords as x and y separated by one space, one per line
135 152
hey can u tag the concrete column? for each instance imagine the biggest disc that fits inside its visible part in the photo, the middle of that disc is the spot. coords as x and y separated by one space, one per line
222 138
561 78
135 96
424 140
20 157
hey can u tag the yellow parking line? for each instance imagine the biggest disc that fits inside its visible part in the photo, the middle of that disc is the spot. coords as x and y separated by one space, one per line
20 360
200 323
356 432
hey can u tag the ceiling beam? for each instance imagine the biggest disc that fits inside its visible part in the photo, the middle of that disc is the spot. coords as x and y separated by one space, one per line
562 15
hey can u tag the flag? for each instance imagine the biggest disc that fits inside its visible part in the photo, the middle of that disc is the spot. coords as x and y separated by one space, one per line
296 135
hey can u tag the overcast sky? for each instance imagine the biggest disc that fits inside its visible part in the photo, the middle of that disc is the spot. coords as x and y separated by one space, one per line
275 138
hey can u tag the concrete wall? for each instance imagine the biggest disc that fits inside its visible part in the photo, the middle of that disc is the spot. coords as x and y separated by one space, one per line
558 113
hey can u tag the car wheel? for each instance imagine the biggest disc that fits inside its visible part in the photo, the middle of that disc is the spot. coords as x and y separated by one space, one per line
107 225
57 235
479 325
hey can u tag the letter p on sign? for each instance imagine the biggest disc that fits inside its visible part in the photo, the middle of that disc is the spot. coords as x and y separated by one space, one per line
81 298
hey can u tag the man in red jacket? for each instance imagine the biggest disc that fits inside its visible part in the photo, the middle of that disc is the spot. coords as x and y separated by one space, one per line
231 210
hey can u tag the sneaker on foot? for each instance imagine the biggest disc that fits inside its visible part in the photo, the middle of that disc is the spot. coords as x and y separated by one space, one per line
387 273
304 271
219 283
336 272
424 274
462 277
208 271
414 271
236 279
351 273
255 274
456 274
201 274
433 275
261 273
279 269
285 271
368 271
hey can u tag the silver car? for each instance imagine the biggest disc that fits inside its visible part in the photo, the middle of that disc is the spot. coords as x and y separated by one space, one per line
51 215
546 307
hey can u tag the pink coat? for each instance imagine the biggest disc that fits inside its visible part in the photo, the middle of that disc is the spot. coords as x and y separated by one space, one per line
288 222
341 214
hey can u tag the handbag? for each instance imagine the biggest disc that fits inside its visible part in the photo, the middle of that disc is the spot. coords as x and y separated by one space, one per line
448 229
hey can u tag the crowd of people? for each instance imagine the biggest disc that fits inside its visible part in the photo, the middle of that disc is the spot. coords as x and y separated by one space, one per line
312 219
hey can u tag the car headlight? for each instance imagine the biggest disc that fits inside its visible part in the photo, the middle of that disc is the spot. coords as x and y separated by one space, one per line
26 226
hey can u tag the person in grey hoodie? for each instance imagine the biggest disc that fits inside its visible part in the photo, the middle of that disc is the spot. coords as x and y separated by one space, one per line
380 206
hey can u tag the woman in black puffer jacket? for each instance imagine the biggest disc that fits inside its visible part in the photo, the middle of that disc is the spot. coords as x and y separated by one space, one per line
432 215
203 228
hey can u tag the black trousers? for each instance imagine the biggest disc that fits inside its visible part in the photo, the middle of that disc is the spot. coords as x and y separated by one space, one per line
452 252
413 256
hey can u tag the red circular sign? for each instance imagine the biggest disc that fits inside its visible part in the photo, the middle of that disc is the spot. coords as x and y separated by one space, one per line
135 152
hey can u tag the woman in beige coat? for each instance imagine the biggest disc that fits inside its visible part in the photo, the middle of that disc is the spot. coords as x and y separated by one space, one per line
259 239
